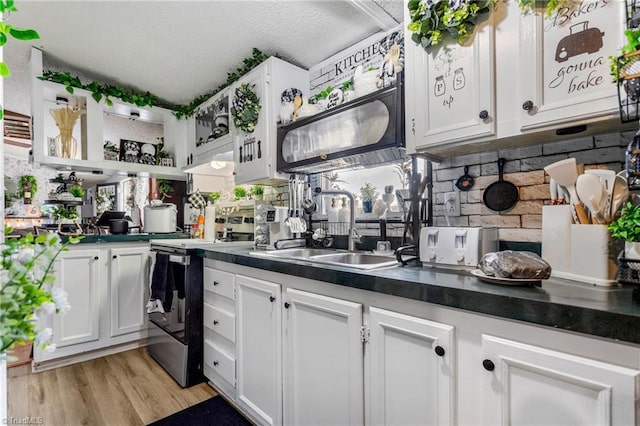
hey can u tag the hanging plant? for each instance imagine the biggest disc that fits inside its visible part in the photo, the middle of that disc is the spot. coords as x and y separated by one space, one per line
27 183
433 20
246 108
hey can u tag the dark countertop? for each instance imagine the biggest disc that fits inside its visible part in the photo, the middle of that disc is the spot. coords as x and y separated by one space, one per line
128 238
609 312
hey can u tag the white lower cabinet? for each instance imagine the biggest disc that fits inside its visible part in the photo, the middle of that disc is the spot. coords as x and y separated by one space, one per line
259 312
107 287
128 270
323 362
529 385
411 365
78 273
312 353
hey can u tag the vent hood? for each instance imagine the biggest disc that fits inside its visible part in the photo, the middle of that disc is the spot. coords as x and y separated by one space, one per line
366 131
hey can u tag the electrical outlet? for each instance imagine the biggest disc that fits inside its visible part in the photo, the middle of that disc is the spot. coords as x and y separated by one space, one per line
452 204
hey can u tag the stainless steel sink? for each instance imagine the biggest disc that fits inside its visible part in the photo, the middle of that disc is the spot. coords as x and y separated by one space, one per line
359 260
356 260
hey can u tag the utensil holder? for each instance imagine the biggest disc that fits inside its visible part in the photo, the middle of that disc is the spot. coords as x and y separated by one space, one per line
591 260
556 238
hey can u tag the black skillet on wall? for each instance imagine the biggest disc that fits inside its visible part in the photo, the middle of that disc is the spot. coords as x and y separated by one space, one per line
501 195
465 182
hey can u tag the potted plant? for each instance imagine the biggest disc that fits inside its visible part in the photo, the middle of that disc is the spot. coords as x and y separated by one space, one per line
258 192
627 228
27 188
214 195
27 292
64 214
239 192
320 99
368 194
164 189
77 192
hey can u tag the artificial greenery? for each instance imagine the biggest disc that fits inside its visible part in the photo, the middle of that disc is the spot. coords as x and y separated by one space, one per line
368 192
164 188
616 64
246 108
348 85
627 226
239 192
257 190
77 191
26 289
143 99
322 95
214 195
110 147
432 20
64 212
26 180
550 6
6 8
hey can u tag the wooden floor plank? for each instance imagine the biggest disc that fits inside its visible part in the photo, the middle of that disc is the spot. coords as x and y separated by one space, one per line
128 388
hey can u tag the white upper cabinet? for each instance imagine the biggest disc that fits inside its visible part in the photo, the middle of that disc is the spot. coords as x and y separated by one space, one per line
563 65
255 152
519 76
210 131
450 91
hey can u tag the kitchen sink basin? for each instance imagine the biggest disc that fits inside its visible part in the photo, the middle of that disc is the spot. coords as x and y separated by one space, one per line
359 260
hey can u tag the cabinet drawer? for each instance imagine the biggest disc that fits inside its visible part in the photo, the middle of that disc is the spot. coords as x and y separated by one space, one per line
220 362
220 322
219 282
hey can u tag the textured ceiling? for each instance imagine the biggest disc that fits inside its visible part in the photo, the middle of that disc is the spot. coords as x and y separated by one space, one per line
181 49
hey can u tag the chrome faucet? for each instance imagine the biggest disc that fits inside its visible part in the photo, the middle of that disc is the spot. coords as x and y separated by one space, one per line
354 237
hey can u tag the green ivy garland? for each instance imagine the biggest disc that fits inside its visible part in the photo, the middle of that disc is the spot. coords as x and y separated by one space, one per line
245 108
143 99
432 20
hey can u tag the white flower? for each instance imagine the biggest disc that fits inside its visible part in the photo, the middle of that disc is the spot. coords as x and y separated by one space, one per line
51 347
59 297
25 255
44 336
47 308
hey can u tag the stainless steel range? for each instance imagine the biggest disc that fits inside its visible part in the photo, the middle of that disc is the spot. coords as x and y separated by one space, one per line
175 336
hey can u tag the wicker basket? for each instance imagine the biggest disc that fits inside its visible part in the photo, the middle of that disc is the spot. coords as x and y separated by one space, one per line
628 271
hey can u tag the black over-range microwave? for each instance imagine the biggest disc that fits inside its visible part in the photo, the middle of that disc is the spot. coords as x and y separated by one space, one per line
368 130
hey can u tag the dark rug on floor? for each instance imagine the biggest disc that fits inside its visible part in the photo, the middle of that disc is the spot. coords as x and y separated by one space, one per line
213 411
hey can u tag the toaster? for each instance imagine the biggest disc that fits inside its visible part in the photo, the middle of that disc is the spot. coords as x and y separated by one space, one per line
456 246
160 218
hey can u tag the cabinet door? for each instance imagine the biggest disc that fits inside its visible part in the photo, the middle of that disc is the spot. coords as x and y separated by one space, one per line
128 288
411 370
450 90
250 151
536 386
78 273
323 360
259 348
564 70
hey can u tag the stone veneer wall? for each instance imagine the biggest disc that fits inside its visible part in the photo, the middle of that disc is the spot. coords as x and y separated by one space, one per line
525 168
15 167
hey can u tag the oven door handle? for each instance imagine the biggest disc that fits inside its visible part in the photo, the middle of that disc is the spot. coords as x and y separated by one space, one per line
181 260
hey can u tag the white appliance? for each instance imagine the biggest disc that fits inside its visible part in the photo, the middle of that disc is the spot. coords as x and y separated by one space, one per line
458 247
160 218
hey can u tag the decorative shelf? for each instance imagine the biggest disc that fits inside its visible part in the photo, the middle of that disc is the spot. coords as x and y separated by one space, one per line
67 203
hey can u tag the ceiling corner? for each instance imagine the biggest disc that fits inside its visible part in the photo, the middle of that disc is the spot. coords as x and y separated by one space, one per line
376 13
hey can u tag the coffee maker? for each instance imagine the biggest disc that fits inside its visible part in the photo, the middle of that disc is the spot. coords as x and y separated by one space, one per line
274 227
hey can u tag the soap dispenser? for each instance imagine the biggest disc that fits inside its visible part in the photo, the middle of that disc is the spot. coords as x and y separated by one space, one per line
332 215
344 213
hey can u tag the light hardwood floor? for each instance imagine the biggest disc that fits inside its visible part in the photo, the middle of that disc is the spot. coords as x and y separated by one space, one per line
128 388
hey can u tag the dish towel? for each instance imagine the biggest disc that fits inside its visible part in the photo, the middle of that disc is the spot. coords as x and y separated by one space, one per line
153 305
162 282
